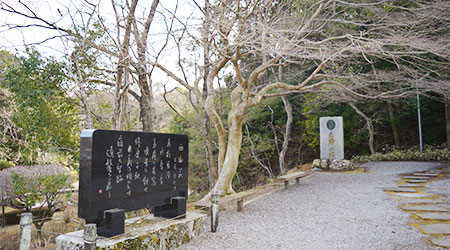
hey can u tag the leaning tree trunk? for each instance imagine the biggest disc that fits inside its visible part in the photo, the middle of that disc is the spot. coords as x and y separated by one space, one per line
447 118
369 126
224 183
393 125
287 134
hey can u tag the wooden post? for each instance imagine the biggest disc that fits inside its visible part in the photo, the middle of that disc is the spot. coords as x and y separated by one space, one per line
286 184
214 212
3 217
90 237
297 180
240 204
25 231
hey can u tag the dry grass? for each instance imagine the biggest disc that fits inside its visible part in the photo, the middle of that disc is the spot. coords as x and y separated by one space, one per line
63 222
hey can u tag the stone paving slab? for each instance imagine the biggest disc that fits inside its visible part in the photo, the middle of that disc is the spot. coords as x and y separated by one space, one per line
416 177
400 190
426 201
429 208
436 228
411 185
427 174
416 181
412 195
442 242
435 216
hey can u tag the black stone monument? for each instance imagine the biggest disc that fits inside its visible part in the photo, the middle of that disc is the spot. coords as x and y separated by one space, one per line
123 171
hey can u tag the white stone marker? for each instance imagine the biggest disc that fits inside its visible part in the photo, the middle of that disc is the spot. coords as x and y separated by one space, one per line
331 138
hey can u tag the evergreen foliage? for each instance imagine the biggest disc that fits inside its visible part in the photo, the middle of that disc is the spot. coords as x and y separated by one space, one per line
430 153
45 117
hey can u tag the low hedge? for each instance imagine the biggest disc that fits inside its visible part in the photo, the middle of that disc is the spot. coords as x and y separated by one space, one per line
430 153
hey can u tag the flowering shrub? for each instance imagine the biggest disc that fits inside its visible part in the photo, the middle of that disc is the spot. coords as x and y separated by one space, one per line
430 153
35 187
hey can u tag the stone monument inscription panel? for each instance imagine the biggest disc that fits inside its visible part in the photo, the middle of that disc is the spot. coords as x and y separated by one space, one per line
331 138
130 171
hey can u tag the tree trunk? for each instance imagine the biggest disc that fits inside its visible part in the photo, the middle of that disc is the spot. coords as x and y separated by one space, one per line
40 237
145 85
123 64
393 125
224 183
212 171
447 118
146 106
82 93
117 98
287 134
369 126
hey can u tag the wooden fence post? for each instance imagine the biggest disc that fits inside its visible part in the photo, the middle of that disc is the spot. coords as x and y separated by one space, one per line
214 212
240 204
25 231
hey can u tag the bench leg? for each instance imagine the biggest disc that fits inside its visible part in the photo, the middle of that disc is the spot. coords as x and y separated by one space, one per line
286 184
297 180
240 204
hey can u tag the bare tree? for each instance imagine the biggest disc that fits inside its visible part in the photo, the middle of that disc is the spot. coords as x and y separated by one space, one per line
298 34
332 41
125 43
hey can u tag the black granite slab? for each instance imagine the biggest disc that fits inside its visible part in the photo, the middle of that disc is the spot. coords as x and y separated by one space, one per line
130 171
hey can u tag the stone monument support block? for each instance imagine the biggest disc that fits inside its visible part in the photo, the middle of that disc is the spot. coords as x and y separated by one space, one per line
147 232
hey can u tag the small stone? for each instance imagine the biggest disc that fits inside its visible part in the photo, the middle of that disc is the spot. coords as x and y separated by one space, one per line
339 165
436 228
401 190
430 208
416 181
324 164
413 195
435 216
316 163
442 242
316 169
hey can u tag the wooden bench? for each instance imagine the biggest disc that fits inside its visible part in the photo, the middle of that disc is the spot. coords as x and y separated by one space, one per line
227 201
296 175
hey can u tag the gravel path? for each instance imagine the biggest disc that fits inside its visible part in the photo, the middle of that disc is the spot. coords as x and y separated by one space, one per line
326 211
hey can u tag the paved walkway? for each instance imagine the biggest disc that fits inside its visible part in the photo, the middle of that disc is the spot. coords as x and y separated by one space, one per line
341 211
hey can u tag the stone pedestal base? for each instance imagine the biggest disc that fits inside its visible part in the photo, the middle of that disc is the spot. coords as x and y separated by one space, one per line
335 165
146 232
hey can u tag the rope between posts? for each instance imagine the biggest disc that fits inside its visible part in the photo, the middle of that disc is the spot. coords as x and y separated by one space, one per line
55 233
45 231
48 218
81 237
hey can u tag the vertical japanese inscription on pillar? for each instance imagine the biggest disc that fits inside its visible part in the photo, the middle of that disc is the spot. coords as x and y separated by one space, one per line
331 138
130 170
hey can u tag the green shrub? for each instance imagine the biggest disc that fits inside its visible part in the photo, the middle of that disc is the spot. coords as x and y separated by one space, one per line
5 164
430 153
35 189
